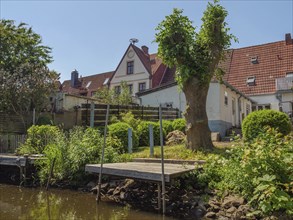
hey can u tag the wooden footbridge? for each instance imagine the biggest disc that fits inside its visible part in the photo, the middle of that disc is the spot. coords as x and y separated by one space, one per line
145 169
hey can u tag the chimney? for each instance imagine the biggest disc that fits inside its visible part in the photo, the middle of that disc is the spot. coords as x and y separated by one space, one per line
288 39
145 49
74 78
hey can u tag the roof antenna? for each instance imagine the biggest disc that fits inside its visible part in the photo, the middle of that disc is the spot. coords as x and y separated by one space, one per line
133 41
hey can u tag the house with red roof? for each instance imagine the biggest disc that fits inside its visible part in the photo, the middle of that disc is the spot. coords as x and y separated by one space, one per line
257 77
264 73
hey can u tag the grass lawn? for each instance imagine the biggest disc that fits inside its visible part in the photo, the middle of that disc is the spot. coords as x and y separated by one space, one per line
181 152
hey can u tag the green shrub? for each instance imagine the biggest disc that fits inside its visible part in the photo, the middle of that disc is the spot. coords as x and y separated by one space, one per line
167 126
143 130
44 120
120 131
73 151
38 137
179 124
255 123
262 172
130 119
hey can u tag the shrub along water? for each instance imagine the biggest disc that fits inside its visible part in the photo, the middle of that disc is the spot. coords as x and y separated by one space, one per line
71 151
261 171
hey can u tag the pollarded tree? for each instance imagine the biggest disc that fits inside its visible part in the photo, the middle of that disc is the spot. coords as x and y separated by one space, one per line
25 80
196 57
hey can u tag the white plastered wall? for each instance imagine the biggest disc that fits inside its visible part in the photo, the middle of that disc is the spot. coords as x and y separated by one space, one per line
140 74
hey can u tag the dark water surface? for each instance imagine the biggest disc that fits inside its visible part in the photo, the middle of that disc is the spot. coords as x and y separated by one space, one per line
36 203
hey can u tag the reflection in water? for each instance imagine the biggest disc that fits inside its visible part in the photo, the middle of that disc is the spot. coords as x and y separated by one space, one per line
26 203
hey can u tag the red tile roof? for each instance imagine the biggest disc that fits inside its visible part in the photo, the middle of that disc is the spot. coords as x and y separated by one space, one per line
274 61
88 85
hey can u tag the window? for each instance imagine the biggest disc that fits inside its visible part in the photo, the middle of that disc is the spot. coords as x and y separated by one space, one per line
141 87
130 88
254 60
117 90
250 81
226 98
247 109
130 67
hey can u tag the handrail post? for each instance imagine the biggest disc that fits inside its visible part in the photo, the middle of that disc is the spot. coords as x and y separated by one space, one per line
162 161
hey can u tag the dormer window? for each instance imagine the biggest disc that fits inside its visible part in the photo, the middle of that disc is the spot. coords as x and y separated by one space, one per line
130 67
254 60
250 81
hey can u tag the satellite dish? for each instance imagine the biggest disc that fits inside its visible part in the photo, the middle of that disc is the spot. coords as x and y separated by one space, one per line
133 40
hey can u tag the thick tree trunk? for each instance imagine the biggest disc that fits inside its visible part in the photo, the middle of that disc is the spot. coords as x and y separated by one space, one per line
198 132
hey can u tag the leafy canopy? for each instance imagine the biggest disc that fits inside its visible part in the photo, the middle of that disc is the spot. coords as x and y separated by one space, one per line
25 80
194 54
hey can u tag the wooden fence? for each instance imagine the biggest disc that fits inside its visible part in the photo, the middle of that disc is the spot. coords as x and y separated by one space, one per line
9 142
141 112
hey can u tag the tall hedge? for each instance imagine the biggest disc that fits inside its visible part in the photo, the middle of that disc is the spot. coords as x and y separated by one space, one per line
255 123
120 130
179 124
143 130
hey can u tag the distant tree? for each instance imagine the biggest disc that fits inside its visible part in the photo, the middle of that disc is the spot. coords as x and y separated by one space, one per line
196 57
25 80
108 96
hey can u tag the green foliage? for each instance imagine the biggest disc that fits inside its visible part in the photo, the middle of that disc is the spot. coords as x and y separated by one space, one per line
143 130
44 120
256 122
26 81
71 151
179 124
120 131
167 126
261 171
130 120
194 54
108 96
38 137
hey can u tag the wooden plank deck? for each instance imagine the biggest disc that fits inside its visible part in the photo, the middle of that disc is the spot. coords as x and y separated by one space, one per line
13 160
141 170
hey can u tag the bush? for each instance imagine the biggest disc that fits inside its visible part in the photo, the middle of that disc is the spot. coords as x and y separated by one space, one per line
38 137
167 126
72 153
143 130
255 123
120 131
262 172
179 124
130 120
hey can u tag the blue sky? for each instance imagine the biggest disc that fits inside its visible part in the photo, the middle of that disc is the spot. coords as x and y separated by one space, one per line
92 36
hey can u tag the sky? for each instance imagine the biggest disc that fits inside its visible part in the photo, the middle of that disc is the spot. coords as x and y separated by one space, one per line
92 36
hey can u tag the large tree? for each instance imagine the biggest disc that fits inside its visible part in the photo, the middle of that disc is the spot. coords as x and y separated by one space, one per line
25 80
196 57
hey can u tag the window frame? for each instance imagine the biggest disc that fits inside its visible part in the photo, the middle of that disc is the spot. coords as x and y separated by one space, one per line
117 90
130 67
139 88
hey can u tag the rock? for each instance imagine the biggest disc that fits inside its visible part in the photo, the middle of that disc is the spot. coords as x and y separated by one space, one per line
231 210
105 186
232 201
91 184
116 191
110 191
215 207
175 137
129 183
198 212
210 215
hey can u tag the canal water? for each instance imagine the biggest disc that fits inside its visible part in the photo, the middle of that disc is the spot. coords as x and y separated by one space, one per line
37 204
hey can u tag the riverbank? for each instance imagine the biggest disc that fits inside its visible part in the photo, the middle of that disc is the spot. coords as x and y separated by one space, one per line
183 200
